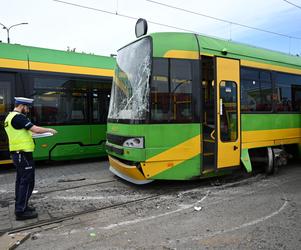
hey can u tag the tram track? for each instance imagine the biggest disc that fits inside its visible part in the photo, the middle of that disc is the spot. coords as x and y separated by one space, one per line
71 216
11 199
170 190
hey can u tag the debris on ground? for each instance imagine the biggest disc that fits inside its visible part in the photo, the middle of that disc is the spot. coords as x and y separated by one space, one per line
197 208
92 234
11 241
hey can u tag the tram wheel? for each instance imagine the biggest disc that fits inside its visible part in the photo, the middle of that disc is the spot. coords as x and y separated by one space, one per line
270 165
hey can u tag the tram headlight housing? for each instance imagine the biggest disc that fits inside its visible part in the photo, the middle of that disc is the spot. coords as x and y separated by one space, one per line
137 142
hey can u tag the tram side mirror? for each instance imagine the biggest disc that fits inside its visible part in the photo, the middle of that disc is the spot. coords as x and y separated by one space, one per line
141 27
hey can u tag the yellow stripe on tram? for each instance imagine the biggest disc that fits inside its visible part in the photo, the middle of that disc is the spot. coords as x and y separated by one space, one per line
269 67
263 138
70 69
21 64
184 54
172 157
15 64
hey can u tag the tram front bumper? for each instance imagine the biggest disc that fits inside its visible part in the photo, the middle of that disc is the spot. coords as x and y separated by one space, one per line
127 172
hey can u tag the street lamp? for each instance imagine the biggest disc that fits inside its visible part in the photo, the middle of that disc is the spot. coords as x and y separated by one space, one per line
8 28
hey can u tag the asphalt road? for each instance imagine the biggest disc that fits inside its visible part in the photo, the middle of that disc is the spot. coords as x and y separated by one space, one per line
254 213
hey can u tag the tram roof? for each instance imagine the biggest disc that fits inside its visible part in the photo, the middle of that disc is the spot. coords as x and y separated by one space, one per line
44 55
166 42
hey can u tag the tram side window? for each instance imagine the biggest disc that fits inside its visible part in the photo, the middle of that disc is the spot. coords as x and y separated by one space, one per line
6 83
181 89
256 90
59 100
171 90
288 92
79 106
228 110
160 91
100 102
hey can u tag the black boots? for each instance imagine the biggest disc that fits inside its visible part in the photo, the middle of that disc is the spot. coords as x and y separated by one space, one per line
26 215
30 209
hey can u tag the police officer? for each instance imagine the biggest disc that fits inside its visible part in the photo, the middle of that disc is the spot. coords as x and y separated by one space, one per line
19 130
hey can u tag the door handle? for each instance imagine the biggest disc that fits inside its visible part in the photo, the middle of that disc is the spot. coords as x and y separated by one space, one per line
235 148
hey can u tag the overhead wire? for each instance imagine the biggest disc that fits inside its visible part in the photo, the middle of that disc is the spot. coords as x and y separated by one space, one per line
297 6
221 20
122 15
176 27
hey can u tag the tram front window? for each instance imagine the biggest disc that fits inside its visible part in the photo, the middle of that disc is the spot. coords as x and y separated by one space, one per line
130 90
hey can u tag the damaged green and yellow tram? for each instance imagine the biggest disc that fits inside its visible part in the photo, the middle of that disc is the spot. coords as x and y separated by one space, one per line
185 106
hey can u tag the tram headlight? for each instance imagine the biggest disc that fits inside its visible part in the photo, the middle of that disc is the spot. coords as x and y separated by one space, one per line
137 142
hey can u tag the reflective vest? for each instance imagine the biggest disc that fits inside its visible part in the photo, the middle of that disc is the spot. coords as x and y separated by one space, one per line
19 139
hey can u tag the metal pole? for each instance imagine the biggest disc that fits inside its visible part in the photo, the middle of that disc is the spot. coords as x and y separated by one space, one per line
7 29
8 41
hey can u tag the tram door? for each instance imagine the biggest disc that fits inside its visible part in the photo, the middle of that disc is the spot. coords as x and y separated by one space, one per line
209 121
6 82
227 86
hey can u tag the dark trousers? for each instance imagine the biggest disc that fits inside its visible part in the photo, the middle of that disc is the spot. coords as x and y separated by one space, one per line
25 179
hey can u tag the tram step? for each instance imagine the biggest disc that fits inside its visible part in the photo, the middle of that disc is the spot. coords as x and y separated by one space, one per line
207 171
209 141
208 154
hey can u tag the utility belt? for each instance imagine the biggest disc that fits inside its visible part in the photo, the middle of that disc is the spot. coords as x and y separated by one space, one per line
28 155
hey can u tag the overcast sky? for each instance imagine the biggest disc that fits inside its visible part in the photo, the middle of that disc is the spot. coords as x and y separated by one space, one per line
58 26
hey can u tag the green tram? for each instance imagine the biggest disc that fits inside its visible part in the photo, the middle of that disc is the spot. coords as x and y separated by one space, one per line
186 106
71 93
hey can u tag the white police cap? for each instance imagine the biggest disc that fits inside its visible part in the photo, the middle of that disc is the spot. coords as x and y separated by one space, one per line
23 100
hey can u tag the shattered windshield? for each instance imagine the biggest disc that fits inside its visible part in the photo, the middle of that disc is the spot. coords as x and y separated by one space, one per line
130 90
